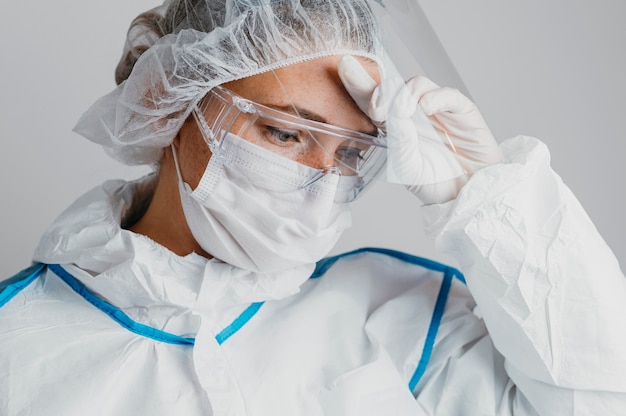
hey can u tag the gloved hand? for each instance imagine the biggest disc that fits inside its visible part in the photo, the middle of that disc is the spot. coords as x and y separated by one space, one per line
436 136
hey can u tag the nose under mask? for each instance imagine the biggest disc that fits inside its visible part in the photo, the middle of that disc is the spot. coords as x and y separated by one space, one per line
262 212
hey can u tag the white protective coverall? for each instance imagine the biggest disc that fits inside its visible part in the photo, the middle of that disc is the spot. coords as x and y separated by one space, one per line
118 325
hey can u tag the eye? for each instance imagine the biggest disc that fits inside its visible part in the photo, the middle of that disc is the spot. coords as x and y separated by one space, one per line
282 136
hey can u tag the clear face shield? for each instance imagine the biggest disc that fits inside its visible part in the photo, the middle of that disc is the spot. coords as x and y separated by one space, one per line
355 156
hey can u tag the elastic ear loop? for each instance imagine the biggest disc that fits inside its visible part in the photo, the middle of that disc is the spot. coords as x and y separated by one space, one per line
175 157
204 128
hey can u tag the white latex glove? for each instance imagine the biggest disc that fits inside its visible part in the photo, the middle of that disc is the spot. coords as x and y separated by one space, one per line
436 136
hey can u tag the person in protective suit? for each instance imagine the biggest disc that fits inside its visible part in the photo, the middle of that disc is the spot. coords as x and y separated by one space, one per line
203 288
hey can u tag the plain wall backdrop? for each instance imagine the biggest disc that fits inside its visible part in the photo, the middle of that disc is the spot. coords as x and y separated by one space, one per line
553 70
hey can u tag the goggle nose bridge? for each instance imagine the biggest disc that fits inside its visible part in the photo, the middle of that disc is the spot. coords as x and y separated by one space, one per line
331 169
323 172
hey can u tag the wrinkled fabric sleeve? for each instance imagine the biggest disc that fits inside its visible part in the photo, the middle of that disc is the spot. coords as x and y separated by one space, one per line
548 287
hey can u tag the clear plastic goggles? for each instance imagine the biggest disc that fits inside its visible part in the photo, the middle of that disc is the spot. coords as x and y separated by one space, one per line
356 156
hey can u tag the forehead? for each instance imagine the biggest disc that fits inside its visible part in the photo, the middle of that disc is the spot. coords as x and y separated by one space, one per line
313 86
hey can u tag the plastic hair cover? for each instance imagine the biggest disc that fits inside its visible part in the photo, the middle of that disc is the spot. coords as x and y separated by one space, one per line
191 46
176 53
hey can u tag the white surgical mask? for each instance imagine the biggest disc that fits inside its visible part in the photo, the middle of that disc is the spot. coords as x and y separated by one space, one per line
250 210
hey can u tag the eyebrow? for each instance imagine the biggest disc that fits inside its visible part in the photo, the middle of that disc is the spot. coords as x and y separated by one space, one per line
298 111
309 115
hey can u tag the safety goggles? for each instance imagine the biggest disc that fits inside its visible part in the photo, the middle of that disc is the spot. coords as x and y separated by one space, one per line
356 156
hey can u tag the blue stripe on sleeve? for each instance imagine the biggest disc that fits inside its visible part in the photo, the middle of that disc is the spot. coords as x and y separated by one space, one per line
116 314
11 287
433 328
239 322
140 329
323 265
448 274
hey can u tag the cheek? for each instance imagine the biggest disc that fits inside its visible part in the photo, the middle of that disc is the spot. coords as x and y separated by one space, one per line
193 155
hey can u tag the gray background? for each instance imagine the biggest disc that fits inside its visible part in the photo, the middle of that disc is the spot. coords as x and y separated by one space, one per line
553 70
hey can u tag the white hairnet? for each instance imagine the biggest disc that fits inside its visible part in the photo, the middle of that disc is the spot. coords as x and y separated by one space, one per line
179 51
